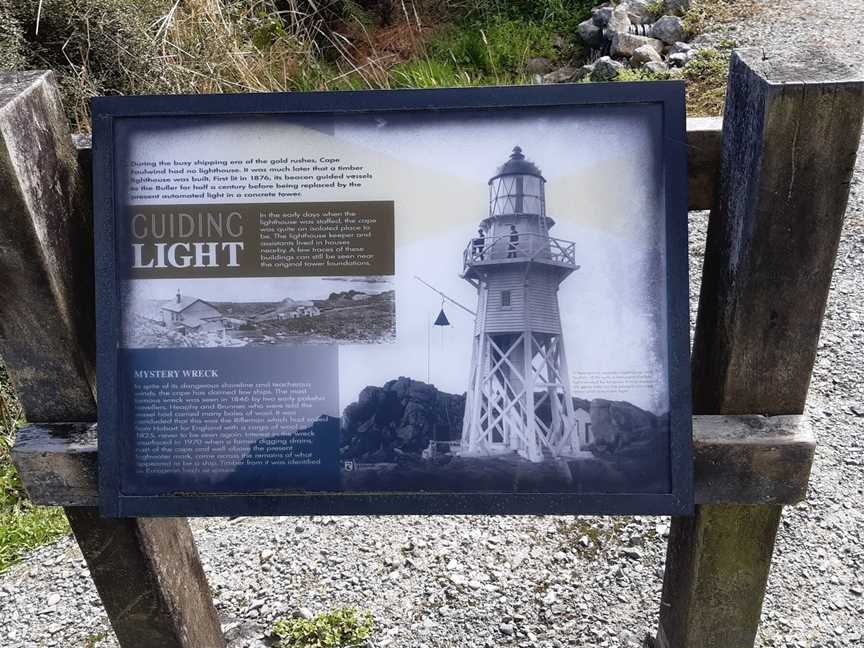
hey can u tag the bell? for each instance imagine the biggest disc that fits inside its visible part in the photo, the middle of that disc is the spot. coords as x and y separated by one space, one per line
441 320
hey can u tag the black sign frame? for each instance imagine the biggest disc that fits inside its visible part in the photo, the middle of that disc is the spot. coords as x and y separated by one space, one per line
112 426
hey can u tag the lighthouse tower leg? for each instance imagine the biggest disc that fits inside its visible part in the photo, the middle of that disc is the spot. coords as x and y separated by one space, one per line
512 378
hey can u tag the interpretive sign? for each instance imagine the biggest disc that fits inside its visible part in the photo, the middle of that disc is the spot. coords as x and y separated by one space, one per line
448 301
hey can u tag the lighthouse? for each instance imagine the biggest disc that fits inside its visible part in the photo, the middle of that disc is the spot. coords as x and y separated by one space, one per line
518 397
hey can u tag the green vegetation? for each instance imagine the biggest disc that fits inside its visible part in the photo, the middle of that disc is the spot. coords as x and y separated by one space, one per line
23 526
341 628
712 12
706 81
641 75
590 538
206 46
93 640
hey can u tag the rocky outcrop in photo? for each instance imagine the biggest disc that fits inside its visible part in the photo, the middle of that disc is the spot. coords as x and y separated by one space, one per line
399 419
393 424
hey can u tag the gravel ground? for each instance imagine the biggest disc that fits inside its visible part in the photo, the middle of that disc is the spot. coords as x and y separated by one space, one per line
533 581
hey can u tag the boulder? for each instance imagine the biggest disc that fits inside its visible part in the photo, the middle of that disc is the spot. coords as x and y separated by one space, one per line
669 29
538 65
565 74
645 54
624 44
656 67
677 60
399 419
618 22
590 33
680 47
606 69
600 15
639 12
675 7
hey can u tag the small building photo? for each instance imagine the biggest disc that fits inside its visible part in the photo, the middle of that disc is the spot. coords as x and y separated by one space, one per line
185 313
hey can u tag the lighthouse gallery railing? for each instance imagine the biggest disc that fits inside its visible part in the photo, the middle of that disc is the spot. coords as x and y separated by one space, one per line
527 247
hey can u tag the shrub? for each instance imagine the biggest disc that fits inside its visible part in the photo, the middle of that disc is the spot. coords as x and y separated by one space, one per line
342 628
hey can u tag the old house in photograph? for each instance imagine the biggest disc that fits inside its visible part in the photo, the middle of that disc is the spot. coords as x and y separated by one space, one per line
185 313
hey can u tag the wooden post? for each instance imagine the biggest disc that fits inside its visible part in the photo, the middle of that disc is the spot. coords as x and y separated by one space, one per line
147 571
790 135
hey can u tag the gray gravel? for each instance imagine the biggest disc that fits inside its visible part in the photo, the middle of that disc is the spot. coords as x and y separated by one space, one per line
532 581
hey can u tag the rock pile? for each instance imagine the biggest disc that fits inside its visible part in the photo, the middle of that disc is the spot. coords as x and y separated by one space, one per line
399 419
635 34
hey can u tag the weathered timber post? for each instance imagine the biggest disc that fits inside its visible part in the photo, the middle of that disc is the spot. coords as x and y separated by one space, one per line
147 571
790 136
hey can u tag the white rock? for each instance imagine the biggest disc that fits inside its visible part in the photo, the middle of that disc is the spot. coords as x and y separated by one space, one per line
677 60
625 44
639 12
458 579
680 47
618 22
304 613
645 54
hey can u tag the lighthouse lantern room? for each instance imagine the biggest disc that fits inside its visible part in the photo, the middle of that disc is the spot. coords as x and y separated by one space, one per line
518 398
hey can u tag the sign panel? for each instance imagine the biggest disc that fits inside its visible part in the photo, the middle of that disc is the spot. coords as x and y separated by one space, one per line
453 301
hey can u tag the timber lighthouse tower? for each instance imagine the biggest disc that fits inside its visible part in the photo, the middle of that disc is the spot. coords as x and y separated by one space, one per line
518 396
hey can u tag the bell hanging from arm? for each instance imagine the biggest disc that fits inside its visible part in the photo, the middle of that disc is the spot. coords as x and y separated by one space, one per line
441 320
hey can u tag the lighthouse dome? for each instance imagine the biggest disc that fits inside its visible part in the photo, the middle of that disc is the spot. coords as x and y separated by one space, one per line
518 165
518 190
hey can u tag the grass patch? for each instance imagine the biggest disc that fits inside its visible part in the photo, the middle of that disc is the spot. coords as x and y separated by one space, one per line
341 628
491 41
588 538
703 14
641 74
91 641
706 77
23 526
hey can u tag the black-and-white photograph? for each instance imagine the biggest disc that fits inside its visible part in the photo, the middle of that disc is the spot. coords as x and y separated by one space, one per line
544 329
174 313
